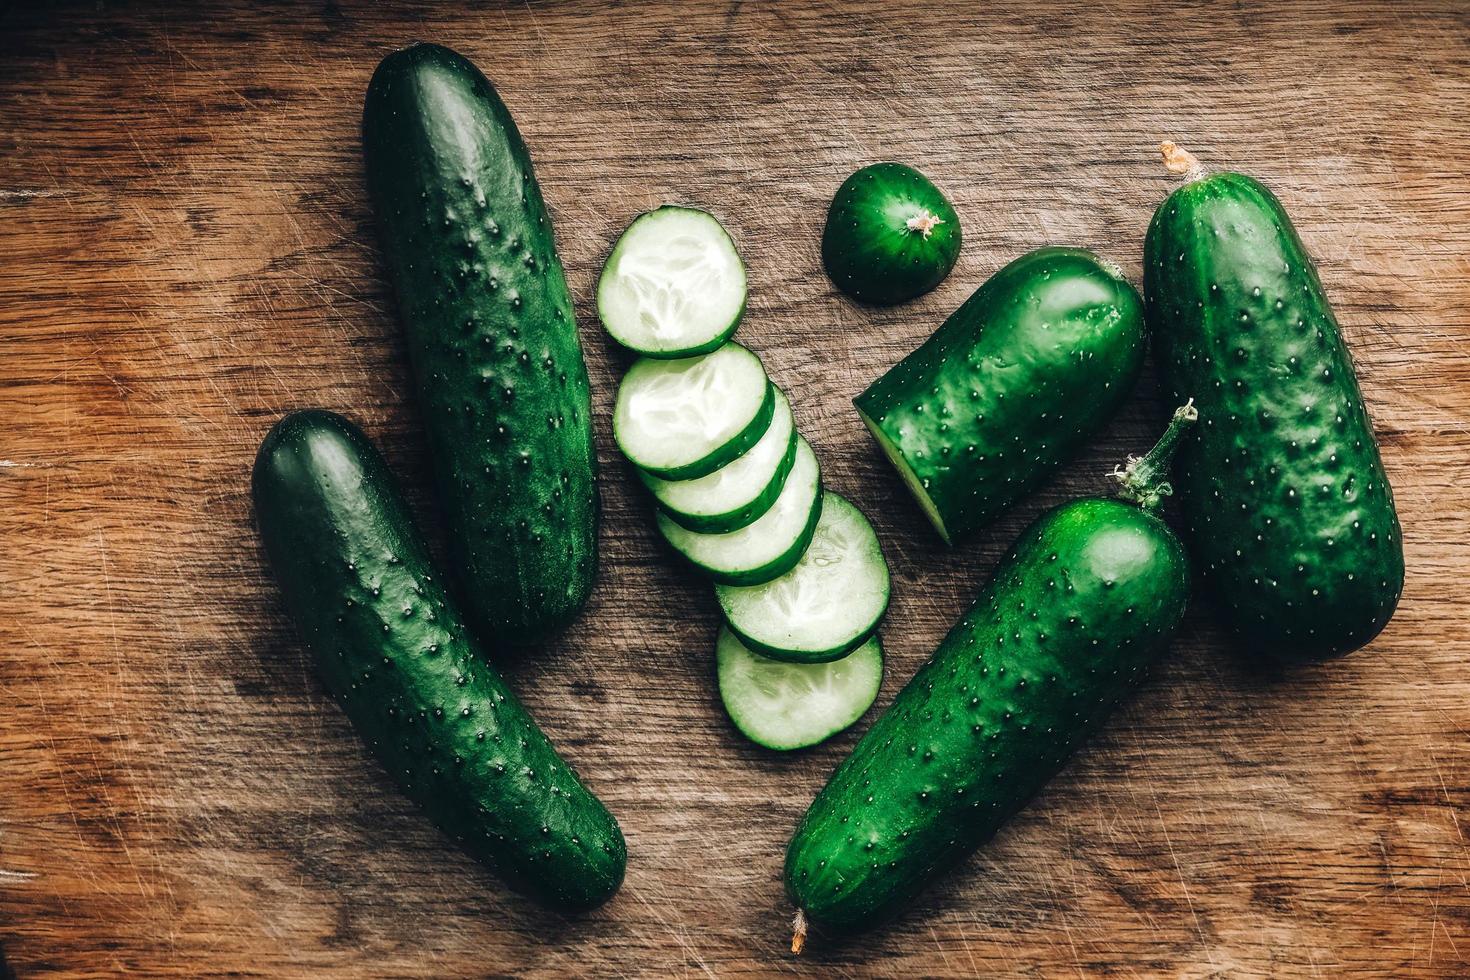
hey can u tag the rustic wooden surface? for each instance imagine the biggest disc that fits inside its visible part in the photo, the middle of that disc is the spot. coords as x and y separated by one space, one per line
186 253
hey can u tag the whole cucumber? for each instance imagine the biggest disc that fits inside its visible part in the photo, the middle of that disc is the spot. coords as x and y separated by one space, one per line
1010 387
1286 505
394 651
491 337
1065 629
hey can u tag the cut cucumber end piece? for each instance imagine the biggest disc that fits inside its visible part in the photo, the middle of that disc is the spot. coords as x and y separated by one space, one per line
910 479
673 285
682 419
739 492
827 605
787 706
769 546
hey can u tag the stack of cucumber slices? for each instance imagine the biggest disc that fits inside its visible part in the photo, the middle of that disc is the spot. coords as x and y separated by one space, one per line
798 573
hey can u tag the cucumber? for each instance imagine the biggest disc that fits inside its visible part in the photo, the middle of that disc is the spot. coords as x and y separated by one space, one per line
673 286
683 419
1010 387
826 606
890 235
738 492
766 548
785 706
491 338
393 649
1064 630
1285 501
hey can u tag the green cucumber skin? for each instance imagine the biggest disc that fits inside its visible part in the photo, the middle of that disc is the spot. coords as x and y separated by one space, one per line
799 656
869 251
492 340
393 650
743 517
1067 627
1242 326
1013 384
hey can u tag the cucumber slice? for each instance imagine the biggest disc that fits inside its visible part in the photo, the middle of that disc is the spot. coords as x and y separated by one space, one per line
827 605
686 418
766 548
738 492
790 706
673 286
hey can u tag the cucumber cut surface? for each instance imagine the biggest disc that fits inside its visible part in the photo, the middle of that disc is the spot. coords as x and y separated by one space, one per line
674 284
918 487
685 418
786 706
766 548
738 492
824 607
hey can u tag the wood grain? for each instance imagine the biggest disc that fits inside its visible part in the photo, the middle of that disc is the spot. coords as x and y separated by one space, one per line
186 252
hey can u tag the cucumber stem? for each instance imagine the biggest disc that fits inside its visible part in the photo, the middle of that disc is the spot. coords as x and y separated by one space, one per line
1143 478
924 223
798 932
1178 160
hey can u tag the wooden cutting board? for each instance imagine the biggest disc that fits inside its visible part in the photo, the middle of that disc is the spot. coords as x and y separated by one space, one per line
186 253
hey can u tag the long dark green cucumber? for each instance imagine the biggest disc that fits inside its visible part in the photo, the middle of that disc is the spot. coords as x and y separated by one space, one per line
394 651
1070 622
492 339
1286 504
1010 387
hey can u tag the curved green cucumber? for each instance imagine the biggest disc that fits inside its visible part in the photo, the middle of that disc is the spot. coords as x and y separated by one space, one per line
1011 386
1065 629
739 492
828 605
890 236
393 650
1286 503
683 419
491 337
766 548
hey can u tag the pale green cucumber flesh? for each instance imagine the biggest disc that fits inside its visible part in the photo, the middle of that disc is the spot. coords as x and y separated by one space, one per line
739 492
786 706
824 607
766 548
685 418
673 285
910 478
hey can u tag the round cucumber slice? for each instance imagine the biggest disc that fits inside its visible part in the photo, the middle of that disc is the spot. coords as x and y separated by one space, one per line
788 706
686 418
824 607
673 286
738 492
769 546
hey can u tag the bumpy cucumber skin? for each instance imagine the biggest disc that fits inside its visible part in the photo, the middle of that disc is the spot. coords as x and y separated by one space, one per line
1286 504
391 647
868 249
673 353
742 517
491 337
1067 627
1013 384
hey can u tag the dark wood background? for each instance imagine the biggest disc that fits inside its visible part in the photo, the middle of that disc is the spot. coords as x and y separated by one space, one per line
186 252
